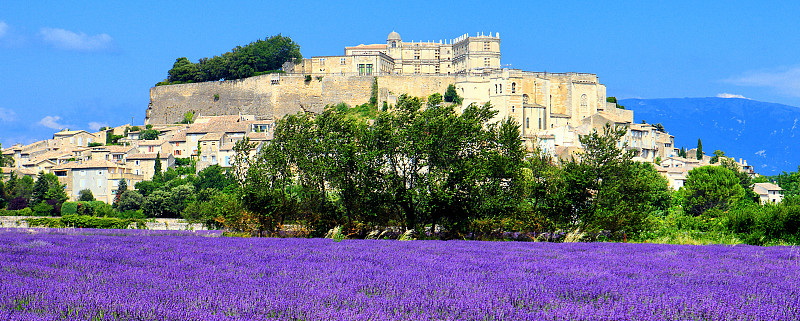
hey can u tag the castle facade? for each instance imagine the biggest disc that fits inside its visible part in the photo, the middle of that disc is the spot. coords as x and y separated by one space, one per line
538 101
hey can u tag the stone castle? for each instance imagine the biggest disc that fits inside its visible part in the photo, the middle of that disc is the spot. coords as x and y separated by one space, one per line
538 101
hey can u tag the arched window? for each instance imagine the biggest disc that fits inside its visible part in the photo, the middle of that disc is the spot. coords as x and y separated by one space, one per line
524 98
394 44
513 88
584 102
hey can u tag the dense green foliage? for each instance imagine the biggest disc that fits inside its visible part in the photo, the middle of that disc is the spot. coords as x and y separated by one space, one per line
149 134
435 170
84 221
255 58
451 95
85 195
699 154
612 99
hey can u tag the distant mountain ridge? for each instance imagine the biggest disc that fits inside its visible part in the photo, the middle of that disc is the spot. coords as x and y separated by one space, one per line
767 135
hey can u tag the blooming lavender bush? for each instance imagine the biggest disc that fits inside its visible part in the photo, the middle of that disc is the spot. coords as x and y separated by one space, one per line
139 275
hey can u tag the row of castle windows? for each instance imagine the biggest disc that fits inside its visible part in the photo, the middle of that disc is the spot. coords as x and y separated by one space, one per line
498 88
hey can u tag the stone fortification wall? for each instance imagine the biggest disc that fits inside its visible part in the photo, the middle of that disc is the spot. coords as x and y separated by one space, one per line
267 95
413 85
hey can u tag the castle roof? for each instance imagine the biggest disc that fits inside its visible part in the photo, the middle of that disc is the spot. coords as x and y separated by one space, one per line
393 36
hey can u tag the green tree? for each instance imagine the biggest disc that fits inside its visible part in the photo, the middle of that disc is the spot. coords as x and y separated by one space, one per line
43 184
373 99
745 181
158 204
699 149
129 200
183 70
607 191
85 195
187 117
711 187
6 160
122 186
717 154
157 174
149 134
451 95
612 99
19 191
263 184
212 177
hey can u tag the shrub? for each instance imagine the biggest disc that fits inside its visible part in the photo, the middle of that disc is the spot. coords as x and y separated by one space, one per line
85 195
69 208
43 209
85 221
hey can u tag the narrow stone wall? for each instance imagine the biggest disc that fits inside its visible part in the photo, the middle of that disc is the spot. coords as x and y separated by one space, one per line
277 95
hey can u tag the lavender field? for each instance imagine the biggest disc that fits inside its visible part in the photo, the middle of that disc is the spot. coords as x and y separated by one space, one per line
168 275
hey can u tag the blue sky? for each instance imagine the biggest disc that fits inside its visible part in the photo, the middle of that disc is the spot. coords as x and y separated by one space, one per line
89 65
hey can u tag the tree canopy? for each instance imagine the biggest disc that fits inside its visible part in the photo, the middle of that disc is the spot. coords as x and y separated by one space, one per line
255 58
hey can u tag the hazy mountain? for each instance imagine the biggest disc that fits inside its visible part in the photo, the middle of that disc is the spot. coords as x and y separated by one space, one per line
767 135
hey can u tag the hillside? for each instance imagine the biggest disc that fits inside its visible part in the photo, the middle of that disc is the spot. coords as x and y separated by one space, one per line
760 132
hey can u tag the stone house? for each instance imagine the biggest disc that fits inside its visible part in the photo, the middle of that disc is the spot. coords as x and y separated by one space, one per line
77 138
768 193
100 176
144 163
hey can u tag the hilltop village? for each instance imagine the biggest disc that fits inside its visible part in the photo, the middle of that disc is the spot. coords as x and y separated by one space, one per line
553 110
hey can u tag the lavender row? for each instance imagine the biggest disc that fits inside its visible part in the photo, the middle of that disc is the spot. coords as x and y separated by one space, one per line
51 275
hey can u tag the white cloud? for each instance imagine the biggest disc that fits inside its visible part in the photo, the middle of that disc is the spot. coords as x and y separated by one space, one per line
761 153
727 95
3 28
51 122
785 80
7 114
69 40
95 126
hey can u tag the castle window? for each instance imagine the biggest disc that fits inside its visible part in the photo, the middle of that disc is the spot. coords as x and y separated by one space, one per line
524 98
512 109
501 88
343 61
540 123
527 122
513 88
486 46
487 62
495 88
394 44
584 102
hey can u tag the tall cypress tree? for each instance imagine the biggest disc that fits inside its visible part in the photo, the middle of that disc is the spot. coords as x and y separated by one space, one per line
699 149
157 168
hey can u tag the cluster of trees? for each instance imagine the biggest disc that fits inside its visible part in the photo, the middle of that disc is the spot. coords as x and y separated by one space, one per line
425 166
44 196
255 58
